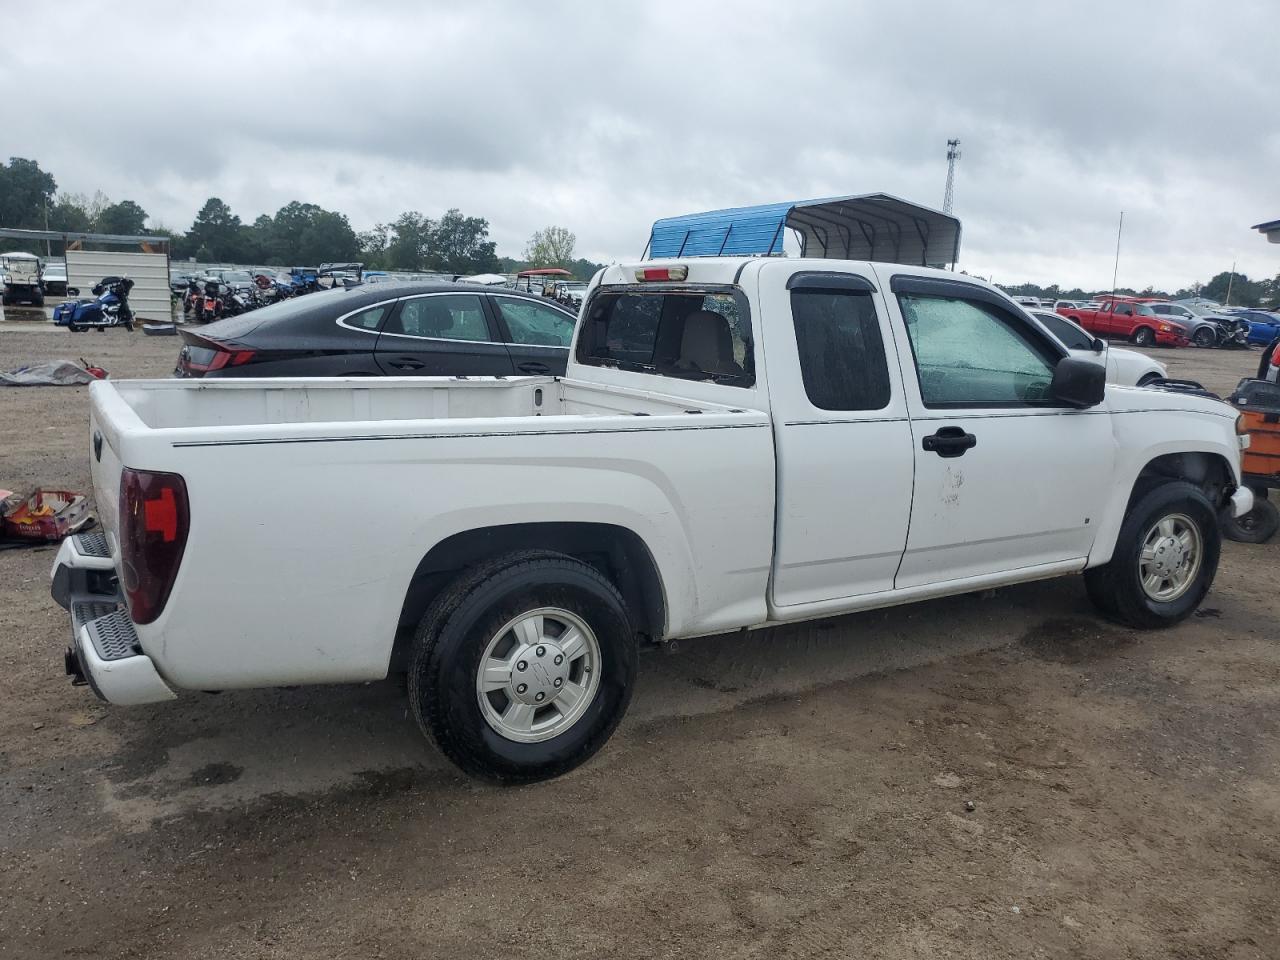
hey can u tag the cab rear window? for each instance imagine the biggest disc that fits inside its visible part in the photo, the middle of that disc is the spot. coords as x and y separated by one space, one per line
702 334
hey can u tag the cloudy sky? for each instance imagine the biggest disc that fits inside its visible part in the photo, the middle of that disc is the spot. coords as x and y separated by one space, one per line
602 116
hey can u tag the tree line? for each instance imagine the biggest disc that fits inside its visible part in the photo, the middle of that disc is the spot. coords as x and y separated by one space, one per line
1228 288
296 234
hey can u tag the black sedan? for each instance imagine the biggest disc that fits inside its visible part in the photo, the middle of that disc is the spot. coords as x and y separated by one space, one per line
386 330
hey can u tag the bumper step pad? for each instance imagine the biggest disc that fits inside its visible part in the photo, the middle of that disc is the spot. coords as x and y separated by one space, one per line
113 636
92 544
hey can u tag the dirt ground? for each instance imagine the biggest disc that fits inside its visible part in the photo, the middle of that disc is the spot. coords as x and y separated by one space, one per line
800 792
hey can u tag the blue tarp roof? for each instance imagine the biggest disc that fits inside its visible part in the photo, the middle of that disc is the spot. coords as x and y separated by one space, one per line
873 226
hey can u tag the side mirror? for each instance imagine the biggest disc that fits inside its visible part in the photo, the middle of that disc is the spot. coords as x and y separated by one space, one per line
1079 383
1099 345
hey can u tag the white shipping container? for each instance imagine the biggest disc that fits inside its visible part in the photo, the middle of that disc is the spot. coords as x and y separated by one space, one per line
149 272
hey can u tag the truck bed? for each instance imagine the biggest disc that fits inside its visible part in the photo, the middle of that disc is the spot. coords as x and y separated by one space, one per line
188 405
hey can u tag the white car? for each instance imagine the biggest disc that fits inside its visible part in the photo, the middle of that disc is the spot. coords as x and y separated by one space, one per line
1124 366
737 443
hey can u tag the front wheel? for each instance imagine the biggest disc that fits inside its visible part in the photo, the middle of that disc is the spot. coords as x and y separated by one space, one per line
523 667
1164 559
1204 337
1143 337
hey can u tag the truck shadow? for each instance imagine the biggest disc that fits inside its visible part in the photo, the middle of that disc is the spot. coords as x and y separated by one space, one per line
230 750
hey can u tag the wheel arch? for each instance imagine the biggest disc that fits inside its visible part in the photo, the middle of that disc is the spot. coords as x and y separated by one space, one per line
1207 468
618 552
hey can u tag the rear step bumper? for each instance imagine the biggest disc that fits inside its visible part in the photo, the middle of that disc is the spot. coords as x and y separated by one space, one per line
104 651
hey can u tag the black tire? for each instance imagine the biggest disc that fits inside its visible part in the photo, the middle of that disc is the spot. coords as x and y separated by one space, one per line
1143 337
451 640
128 325
1205 337
102 329
1149 378
1116 588
74 327
1259 525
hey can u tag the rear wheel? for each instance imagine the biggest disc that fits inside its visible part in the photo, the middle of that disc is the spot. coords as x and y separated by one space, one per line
523 667
1204 337
1164 560
1259 525
1144 337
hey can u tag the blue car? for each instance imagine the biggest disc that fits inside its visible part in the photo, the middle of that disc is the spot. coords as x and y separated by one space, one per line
1264 326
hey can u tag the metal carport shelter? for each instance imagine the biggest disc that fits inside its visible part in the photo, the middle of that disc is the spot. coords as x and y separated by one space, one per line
147 264
872 226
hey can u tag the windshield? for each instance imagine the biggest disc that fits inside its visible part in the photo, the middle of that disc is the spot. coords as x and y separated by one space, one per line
236 276
1143 310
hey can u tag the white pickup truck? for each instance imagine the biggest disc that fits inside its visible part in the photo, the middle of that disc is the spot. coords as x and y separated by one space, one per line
737 443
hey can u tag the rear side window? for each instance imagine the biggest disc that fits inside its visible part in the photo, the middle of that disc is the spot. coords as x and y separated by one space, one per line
692 334
842 358
532 323
370 319
449 317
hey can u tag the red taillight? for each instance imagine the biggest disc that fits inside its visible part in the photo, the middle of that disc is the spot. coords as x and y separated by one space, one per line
229 358
662 273
223 356
153 534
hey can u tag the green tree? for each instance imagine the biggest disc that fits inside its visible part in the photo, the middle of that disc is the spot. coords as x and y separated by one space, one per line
69 215
215 232
551 247
461 245
374 244
328 237
26 194
411 236
125 218
1234 289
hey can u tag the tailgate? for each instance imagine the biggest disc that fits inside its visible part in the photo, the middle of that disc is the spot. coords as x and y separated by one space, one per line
110 418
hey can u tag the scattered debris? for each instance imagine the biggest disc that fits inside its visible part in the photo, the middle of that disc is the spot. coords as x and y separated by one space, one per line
970 806
44 516
55 373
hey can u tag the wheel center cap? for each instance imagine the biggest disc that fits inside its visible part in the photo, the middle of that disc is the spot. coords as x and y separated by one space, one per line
543 676
1169 555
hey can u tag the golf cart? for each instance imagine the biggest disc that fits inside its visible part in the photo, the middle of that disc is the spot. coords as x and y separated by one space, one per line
541 281
21 276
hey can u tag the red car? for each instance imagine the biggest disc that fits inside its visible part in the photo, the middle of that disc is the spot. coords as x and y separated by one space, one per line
1129 320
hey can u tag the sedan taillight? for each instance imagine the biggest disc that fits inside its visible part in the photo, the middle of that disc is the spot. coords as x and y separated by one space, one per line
154 520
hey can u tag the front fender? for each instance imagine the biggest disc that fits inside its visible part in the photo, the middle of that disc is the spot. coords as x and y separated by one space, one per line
1183 433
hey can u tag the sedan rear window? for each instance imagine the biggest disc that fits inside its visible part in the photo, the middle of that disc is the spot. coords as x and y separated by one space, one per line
681 332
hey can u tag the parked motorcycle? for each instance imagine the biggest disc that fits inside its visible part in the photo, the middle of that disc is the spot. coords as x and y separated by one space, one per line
193 299
110 309
211 304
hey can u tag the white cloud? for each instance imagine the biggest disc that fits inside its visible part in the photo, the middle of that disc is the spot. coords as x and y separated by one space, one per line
603 117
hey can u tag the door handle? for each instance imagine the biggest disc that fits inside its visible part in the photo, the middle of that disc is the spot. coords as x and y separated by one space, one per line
533 366
949 442
406 363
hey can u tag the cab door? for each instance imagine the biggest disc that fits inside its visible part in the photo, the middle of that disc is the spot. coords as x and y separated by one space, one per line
537 334
1007 480
441 335
841 434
